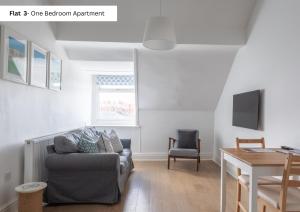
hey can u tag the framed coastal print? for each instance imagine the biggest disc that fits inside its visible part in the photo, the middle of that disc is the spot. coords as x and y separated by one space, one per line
38 66
14 56
55 72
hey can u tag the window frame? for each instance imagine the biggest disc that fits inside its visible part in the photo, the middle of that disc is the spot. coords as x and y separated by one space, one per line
95 102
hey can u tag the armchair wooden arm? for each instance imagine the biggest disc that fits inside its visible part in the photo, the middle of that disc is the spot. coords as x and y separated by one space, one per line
171 140
198 145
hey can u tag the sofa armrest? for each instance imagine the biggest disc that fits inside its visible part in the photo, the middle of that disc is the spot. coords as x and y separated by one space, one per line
83 161
126 143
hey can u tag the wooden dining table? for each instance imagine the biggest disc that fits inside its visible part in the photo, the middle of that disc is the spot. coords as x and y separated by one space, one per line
256 164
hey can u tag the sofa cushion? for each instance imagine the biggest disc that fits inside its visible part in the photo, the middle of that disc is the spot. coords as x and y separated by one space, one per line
187 139
50 149
126 143
183 152
65 144
115 141
124 164
87 144
126 152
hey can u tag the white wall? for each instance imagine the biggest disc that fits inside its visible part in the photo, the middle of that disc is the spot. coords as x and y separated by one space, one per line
158 125
269 61
150 139
27 112
179 89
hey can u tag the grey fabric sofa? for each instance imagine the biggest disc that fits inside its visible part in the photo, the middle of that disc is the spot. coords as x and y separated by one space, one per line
87 177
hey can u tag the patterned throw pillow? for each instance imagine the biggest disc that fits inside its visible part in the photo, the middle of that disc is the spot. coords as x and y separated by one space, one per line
95 131
105 141
101 143
87 131
87 144
115 141
77 136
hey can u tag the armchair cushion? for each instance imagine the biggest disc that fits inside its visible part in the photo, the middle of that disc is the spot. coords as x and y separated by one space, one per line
187 139
183 152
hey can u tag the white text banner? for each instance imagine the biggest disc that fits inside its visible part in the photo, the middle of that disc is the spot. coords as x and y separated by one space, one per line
59 13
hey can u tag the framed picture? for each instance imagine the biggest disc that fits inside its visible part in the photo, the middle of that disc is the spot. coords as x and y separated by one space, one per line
38 66
14 56
55 72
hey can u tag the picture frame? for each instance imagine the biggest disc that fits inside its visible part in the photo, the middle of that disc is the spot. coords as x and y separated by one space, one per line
38 66
14 56
54 72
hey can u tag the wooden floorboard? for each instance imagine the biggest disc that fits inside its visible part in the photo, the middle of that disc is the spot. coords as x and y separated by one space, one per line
154 188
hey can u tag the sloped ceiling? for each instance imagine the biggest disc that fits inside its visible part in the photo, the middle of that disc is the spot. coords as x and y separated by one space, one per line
196 21
190 77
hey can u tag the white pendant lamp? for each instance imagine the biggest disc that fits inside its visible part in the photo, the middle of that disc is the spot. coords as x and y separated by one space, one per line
159 33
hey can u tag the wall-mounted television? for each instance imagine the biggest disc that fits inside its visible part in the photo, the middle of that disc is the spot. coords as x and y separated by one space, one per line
246 109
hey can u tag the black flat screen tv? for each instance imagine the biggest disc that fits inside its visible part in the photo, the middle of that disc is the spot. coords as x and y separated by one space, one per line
246 109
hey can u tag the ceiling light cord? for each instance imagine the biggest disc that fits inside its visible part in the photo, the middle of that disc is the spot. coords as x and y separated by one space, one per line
159 7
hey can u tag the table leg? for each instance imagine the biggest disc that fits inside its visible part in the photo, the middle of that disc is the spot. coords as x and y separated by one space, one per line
223 183
253 191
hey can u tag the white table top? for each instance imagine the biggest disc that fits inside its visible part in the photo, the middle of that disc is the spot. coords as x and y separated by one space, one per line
31 187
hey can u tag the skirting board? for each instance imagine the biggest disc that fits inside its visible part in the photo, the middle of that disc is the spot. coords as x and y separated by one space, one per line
162 156
10 207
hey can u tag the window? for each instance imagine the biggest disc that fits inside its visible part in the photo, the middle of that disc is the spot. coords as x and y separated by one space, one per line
114 99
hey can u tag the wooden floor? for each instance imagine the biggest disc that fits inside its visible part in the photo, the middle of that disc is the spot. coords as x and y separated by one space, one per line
153 188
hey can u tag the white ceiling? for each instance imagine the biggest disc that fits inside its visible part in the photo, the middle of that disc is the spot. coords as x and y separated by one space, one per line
196 21
99 51
189 77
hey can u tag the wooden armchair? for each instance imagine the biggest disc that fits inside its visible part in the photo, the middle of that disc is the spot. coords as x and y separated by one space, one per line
187 146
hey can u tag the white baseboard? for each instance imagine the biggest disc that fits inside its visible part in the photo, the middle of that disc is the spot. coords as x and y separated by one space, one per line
10 207
162 156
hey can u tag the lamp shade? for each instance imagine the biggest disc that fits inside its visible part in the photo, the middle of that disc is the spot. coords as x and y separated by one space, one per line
159 33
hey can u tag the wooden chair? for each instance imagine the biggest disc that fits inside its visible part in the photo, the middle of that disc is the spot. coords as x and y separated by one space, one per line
190 151
243 179
284 197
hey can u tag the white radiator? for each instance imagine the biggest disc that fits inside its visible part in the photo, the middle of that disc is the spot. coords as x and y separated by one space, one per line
35 156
